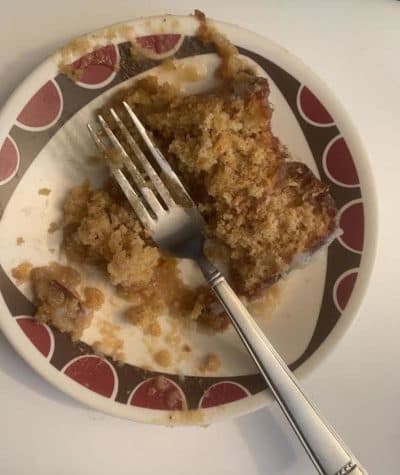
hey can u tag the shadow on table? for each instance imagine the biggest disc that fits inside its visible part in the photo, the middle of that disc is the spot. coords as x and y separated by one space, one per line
15 367
267 439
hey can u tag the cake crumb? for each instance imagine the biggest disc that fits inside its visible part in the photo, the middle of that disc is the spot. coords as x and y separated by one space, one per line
53 227
136 54
163 358
211 364
173 398
184 72
21 272
115 159
153 329
94 298
144 313
101 348
172 338
134 316
20 240
231 62
161 383
44 191
194 416
106 328
110 343
94 160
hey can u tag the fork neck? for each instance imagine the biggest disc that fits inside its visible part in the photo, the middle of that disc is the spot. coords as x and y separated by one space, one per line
212 275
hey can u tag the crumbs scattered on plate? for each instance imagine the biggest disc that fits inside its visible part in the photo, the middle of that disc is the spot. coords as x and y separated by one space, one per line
210 364
44 191
110 343
163 358
53 227
21 272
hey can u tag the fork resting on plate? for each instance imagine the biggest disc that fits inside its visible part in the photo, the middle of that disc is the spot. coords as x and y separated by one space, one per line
167 211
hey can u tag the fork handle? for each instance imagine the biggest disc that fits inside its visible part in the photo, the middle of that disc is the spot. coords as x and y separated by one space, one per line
327 452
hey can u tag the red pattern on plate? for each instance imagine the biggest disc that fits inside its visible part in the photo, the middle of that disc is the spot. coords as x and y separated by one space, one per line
352 224
344 287
158 393
94 373
9 158
97 66
39 334
312 108
159 44
43 108
222 393
339 163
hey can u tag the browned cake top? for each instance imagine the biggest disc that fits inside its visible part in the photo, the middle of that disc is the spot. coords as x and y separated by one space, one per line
261 209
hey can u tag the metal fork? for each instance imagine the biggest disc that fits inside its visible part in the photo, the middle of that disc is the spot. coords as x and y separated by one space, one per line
167 211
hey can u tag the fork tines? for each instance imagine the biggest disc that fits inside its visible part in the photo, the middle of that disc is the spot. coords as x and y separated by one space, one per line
148 206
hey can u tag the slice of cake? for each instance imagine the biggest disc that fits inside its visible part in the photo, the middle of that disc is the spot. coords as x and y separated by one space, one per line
262 210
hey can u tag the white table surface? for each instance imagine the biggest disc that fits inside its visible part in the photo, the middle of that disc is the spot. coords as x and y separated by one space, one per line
348 43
